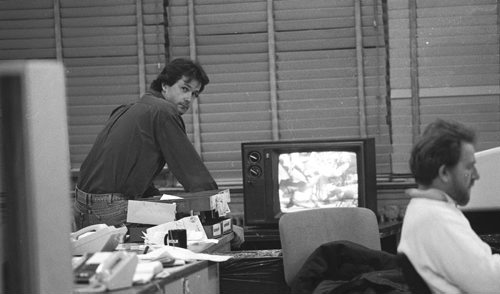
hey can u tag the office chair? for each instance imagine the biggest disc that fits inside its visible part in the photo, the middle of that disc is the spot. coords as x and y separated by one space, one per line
303 231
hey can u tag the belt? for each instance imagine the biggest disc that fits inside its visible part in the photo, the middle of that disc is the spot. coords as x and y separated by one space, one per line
89 197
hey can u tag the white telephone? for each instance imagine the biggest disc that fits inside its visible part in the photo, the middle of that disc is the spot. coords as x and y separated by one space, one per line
96 238
106 271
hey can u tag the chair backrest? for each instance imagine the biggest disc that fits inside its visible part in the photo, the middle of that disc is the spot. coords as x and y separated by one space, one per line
303 231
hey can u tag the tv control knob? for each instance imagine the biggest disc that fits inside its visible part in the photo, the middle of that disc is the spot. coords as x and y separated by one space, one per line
255 171
254 156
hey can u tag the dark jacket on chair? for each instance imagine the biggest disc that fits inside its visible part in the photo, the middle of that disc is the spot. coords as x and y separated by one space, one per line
347 267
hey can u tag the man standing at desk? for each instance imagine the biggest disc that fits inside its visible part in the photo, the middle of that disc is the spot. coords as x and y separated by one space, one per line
136 142
436 236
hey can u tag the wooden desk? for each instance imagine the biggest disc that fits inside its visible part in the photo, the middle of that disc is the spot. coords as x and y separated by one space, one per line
195 277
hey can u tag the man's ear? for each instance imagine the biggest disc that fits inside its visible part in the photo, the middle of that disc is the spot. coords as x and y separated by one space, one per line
443 174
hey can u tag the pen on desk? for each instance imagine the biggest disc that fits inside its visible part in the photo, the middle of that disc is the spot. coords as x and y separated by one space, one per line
146 249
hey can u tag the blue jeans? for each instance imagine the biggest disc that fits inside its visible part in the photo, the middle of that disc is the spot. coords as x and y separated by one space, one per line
93 209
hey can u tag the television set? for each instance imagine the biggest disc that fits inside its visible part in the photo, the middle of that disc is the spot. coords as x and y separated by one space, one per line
285 176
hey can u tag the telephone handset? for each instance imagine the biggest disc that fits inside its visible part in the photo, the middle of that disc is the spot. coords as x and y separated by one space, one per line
107 270
95 238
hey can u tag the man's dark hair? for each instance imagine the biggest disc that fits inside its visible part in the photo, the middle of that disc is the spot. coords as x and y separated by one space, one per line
178 68
440 144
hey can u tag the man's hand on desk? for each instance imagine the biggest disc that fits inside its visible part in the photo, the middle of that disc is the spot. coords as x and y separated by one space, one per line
238 238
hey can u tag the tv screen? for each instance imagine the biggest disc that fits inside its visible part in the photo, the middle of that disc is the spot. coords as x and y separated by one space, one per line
317 179
285 176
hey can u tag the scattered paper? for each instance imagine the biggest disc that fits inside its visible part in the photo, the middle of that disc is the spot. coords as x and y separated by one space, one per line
145 271
199 246
170 197
181 253
219 202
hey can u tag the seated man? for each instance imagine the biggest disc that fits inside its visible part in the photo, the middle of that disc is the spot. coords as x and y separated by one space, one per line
436 237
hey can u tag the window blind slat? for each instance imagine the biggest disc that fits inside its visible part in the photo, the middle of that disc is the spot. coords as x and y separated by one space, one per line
101 21
79 12
100 51
73 32
28 54
100 41
14 34
25 5
26 24
111 70
110 80
16 14
95 3
103 90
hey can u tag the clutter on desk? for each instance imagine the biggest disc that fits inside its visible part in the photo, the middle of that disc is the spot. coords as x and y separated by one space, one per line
210 206
106 271
169 231
216 200
179 253
192 224
176 237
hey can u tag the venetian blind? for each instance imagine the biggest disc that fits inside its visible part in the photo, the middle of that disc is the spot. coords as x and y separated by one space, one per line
111 51
453 72
231 42
331 71
282 70
27 30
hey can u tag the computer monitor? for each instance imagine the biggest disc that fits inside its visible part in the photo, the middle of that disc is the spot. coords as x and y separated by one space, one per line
35 192
483 209
485 194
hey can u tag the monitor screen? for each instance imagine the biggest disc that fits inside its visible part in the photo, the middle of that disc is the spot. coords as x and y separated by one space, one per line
317 179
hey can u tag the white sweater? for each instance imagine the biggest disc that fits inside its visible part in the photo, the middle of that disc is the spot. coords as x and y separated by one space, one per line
440 243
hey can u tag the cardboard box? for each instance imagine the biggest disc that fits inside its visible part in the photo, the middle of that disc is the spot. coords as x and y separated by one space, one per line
154 211
150 213
227 226
213 230
198 201
202 201
218 227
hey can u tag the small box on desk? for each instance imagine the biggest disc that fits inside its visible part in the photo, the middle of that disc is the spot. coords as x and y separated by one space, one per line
227 225
154 211
218 227
146 212
200 201
150 213
213 230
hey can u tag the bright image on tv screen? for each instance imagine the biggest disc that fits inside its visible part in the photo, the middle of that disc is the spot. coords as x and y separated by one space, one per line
317 179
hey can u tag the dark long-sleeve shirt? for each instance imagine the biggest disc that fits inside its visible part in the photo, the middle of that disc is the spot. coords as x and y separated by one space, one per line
134 146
